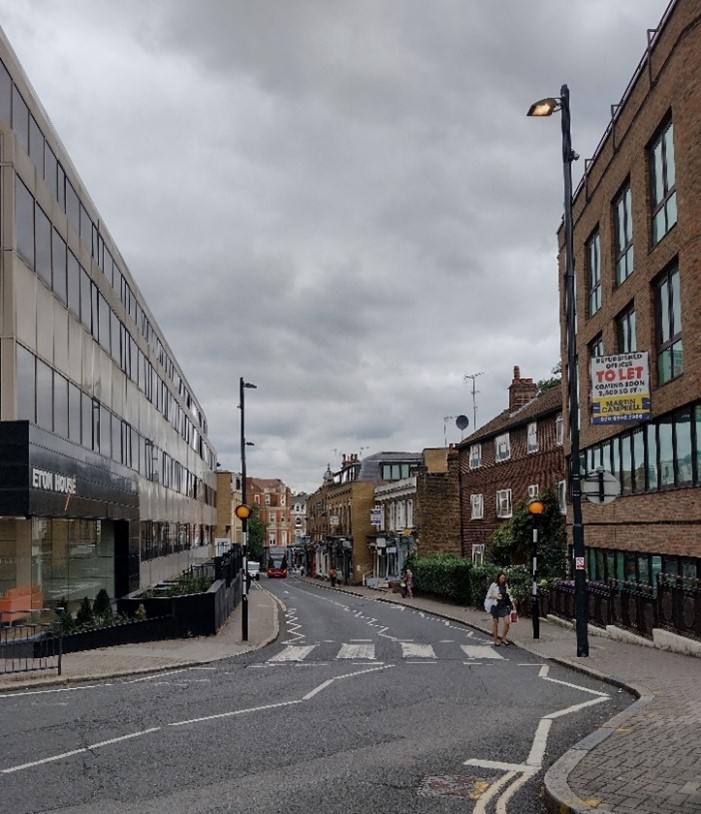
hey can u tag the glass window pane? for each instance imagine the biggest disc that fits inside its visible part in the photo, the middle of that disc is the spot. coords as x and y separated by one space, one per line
73 285
5 95
24 222
43 246
26 385
689 568
36 145
20 118
60 405
669 157
682 431
50 168
639 460
59 267
652 471
664 429
45 388
85 229
72 207
85 299
643 569
698 443
103 322
626 463
74 399
105 432
61 187
86 420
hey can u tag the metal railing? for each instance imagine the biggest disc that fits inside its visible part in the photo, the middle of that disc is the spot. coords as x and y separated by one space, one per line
673 604
30 640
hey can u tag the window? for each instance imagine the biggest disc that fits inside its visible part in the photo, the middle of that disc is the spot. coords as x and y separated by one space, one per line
596 346
623 217
502 447
562 496
663 184
593 260
504 503
625 330
476 507
475 456
24 222
394 471
533 491
559 429
670 355
532 443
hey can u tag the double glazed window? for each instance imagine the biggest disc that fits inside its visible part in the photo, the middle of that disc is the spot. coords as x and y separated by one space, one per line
670 354
593 259
504 506
663 183
623 228
625 330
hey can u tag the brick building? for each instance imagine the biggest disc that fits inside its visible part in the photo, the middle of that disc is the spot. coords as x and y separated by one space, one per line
515 456
339 513
637 223
437 509
274 499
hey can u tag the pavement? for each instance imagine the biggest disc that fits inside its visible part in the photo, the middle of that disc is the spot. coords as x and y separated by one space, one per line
647 759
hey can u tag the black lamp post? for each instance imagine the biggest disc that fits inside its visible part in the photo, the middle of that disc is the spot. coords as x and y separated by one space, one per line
535 507
243 511
546 107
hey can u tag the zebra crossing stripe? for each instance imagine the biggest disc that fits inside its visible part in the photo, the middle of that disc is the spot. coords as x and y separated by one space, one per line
485 651
421 651
293 652
356 651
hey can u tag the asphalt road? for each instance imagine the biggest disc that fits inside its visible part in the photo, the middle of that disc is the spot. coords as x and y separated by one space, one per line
360 706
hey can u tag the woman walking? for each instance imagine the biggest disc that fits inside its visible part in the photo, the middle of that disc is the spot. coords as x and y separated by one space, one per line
500 606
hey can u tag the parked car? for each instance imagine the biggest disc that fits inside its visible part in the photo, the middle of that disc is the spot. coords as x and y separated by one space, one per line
253 569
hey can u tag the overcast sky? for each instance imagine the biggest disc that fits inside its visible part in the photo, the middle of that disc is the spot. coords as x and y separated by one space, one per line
341 201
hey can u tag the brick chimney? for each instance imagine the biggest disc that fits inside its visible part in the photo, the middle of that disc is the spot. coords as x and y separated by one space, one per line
521 391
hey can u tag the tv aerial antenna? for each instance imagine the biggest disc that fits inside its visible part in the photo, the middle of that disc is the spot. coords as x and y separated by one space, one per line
471 377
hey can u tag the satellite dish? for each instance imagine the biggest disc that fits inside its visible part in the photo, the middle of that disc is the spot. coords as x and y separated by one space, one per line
461 422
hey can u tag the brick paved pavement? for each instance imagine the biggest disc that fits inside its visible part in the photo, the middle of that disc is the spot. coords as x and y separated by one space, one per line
646 760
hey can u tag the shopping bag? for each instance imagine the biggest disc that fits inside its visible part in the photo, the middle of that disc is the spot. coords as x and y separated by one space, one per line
514 616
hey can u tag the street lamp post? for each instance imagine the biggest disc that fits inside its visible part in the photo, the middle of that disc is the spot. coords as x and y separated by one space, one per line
546 107
243 511
535 507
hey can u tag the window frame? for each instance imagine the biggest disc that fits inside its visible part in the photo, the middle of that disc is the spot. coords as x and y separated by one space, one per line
477 507
592 249
623 234
626 330
504 503
666 313
503 440
663 199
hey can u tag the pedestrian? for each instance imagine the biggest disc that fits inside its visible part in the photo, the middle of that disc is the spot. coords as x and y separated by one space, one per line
409 582
333 573
499 603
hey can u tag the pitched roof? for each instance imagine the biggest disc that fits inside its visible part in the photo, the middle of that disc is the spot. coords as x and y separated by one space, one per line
543 404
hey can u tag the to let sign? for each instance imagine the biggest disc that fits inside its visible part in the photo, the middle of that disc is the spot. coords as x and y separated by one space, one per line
620 388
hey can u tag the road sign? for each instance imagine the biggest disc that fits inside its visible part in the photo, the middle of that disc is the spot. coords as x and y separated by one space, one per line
600 487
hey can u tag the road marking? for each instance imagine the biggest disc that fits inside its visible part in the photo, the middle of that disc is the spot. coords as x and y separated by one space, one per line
293 652
483 651
413 650
63 755
356 651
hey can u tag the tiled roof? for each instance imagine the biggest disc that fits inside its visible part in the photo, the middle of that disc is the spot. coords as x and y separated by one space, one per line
542 405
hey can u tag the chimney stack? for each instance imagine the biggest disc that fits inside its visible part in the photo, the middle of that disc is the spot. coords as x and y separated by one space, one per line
521 391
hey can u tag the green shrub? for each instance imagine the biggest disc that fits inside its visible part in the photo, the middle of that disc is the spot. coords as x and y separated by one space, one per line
442 574
85 616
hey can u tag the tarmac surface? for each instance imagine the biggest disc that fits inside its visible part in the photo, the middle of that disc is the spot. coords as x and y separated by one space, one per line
647 759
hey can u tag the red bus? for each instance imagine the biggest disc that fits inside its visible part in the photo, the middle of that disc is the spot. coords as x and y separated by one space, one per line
277 561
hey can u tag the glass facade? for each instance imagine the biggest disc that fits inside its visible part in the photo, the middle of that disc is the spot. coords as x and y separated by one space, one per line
121 472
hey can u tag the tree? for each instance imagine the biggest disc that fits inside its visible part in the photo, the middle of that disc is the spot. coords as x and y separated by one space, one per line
554 381
512 542
257 531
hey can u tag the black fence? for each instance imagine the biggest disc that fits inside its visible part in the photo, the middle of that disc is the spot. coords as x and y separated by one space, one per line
26 646
673 604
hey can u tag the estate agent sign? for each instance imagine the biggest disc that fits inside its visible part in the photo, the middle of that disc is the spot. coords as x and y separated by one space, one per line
620 388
